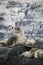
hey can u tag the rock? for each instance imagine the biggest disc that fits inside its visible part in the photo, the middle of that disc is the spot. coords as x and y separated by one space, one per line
4 51
27 61
15 53
12 56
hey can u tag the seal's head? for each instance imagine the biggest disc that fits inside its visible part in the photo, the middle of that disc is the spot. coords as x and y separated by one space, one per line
18 28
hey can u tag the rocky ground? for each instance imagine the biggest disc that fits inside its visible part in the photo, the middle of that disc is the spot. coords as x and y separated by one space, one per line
12 56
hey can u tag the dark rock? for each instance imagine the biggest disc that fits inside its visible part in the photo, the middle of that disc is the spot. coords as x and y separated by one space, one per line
12 56
15 57
15 53
17 50
27 61
4 51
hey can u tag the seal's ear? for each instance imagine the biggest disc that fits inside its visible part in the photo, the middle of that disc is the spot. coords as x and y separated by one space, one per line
17 27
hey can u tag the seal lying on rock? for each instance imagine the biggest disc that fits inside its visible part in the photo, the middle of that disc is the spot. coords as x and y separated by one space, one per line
18 38
20 35
39 41
3 42
30 42
11 41
38 54
30 53
34 52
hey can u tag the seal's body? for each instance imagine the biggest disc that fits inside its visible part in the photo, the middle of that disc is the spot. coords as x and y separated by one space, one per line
39 41
30 53
20 35
38 53
30 42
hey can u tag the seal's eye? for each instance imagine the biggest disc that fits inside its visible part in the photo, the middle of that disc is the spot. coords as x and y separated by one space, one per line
18 28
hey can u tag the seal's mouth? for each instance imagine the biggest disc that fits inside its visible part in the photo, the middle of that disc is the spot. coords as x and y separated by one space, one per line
16 31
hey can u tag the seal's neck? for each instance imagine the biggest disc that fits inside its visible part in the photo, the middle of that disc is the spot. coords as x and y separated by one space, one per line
21 32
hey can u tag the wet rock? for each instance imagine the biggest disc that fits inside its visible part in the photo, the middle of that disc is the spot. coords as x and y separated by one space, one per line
19 49
4 51
12 56
15 57
15 53
27 61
